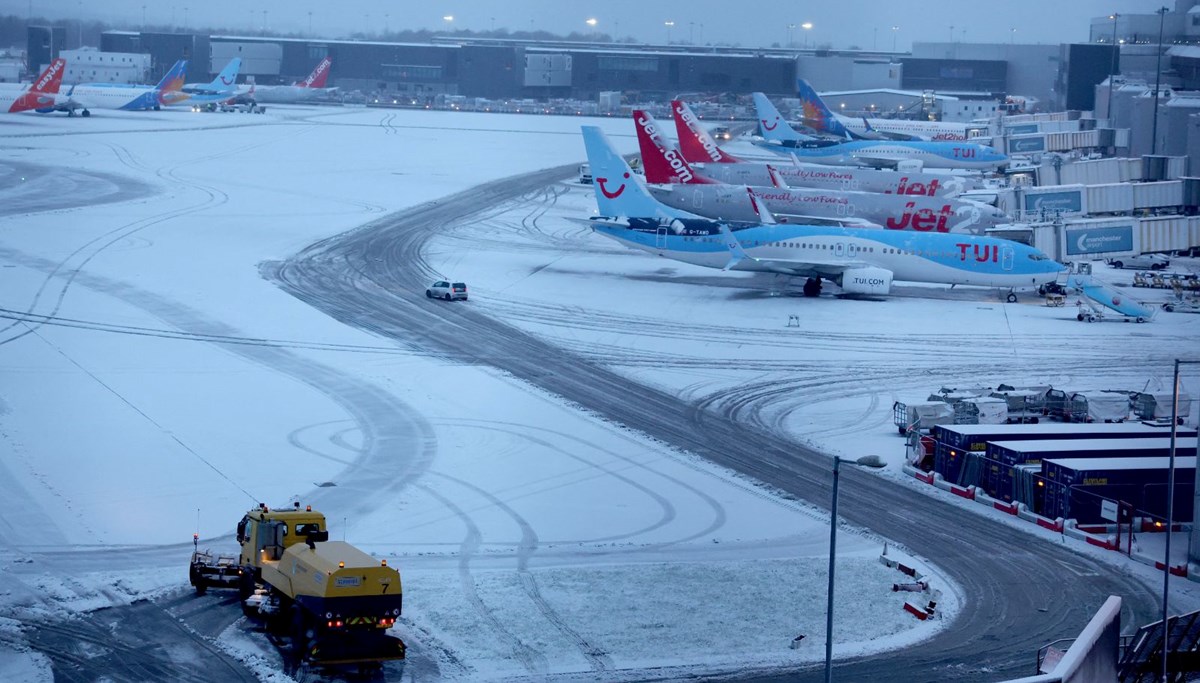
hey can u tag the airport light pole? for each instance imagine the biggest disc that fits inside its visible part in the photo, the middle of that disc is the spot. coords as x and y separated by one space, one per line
865 461
807 26
1170 508
1112 69
894 30
668 23
790 27
1162 14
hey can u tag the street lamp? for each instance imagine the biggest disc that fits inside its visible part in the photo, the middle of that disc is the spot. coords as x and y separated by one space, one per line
866 461
668 23
1112 69
1170 504
1162 14
894 29
807 26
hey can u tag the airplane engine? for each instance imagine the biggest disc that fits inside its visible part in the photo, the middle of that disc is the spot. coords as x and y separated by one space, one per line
866 281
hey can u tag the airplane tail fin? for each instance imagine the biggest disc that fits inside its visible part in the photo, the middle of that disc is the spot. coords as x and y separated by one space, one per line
695 144
776 179
771 122
228 75
319 75
736 253
817 115
662 163
43 92
174 78
764 214
619 193
50 79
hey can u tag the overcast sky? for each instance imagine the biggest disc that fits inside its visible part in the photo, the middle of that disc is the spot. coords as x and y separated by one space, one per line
865 23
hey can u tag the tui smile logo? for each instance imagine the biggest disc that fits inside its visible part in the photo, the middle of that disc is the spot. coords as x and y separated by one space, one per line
228 82
771 126
611 195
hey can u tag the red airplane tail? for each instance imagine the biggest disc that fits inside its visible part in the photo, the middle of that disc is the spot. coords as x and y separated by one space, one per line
662 164
696 145
319 75
41 93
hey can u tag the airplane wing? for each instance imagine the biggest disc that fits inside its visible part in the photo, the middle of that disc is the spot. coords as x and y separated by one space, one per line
802 219
874 162
824 268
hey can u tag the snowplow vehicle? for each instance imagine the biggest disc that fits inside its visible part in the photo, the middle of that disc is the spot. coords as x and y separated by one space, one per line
331 600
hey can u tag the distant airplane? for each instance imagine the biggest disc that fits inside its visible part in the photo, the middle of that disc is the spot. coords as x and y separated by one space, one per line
42 92
819 117
782 139
88 96
698 147
307 89
208 95
861 261
674 183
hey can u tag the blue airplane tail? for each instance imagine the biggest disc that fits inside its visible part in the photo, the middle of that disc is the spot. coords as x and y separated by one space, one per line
771 122
817 115
619 193
228 76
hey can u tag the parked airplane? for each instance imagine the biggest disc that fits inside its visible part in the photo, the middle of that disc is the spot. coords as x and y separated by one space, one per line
673 182
819 117
307 89
782 139
208 95
665 166
17 97
859 260
698 147
88 96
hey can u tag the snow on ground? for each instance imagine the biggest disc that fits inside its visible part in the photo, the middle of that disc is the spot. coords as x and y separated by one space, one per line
123 426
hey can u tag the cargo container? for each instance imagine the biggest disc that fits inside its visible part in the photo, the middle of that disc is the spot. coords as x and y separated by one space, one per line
1024 405
921 416
1075 488
1002 456
1156 405
953 442
1097 406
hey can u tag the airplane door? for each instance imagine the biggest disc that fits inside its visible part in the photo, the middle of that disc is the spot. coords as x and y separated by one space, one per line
839 250
1006 258
697 198
660 238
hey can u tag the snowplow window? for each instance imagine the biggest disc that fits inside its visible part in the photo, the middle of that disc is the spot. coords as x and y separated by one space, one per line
306 529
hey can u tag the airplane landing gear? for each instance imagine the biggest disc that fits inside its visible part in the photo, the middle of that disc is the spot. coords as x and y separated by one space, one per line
1012 297
812 286
86 113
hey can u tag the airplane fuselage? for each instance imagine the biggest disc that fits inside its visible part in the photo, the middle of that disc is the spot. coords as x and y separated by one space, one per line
951 259
962 155
845 178
921 214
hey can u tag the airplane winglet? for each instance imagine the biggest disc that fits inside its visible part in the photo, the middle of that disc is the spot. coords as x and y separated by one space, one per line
764 214
795 159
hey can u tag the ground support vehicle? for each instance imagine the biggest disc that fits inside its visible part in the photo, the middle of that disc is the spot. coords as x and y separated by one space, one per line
333 602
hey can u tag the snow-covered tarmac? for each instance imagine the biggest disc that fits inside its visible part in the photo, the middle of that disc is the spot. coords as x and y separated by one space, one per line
152 384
